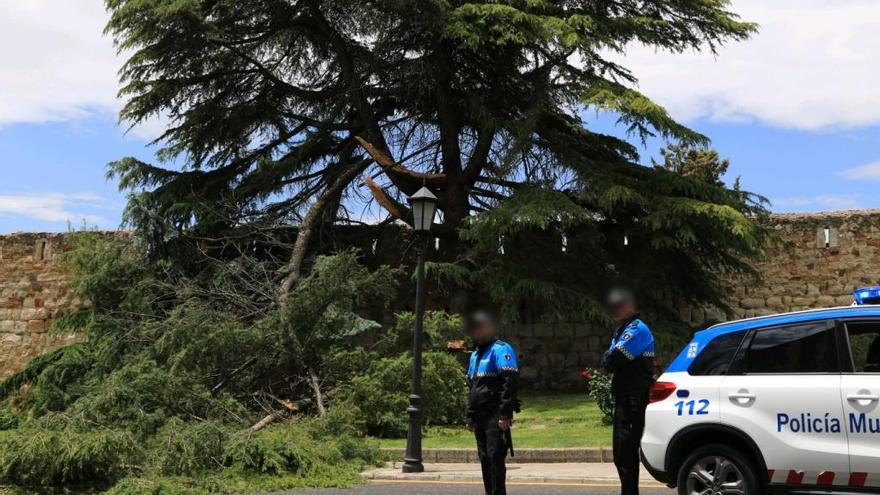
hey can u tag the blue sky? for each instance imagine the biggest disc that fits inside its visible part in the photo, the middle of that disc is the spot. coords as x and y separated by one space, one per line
796 109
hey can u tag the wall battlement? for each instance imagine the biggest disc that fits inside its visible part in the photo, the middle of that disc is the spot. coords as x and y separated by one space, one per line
825 257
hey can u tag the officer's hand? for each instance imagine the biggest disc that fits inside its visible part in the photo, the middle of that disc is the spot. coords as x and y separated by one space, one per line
503 424
470 426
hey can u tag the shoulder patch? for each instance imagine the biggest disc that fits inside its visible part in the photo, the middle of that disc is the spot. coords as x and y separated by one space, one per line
626 336
507 357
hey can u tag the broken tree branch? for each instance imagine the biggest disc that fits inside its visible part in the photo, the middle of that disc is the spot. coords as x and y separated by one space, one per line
309 225
315 383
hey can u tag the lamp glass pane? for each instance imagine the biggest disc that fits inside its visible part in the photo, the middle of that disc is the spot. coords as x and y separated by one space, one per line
418 208
424 206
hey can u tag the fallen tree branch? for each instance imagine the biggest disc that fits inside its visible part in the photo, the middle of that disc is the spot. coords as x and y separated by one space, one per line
315 383
309 225
288 409
232 375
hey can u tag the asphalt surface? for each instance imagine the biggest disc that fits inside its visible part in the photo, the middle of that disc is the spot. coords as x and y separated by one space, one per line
431 488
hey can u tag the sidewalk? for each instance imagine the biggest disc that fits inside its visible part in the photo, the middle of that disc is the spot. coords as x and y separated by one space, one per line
526 455
556 473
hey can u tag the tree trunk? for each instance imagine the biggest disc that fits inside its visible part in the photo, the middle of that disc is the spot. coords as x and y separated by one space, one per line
310 224
456 213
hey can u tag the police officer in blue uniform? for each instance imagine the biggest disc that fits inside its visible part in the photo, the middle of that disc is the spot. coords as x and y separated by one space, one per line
630 357
493 376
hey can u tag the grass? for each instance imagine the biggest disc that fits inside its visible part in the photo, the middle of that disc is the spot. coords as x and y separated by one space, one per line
546 421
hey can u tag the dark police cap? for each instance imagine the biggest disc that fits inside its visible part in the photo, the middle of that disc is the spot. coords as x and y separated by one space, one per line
620 296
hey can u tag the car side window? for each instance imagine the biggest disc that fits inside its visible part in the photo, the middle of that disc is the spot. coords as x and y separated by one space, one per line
807 348
717 356
864 344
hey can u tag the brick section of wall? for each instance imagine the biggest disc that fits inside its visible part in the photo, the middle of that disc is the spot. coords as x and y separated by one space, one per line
33 292
826 257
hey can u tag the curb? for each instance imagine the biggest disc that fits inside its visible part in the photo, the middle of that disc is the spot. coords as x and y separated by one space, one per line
523 456
513 478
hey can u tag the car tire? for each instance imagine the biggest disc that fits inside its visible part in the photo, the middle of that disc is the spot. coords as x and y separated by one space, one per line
700 473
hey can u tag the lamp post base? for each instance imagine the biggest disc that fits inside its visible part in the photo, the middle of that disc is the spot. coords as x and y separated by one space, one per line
412 460
413 466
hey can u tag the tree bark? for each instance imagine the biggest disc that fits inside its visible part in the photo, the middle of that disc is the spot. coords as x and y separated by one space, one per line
315 383
310 224
289 408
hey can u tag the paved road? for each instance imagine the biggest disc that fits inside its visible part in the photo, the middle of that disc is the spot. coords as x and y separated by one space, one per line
428 488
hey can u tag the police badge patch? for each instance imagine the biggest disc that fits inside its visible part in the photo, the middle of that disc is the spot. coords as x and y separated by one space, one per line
508 357
626 336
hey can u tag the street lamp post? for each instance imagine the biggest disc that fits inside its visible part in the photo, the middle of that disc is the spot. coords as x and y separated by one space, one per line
424 206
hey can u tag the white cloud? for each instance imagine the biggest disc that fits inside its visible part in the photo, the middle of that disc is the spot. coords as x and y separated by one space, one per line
74 208
869 171
55 65
814 64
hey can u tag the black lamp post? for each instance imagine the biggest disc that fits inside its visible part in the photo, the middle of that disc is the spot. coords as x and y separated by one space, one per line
424 206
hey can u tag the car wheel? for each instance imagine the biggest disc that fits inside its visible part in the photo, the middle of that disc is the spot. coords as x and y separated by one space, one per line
717 470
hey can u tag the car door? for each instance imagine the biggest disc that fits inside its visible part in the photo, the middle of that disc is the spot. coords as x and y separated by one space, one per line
860 394
784 393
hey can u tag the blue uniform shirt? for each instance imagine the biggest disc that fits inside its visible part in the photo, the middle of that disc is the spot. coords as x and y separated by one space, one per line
635 340
498 358
631 358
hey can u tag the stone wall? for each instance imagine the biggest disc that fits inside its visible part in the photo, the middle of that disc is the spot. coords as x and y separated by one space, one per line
827 256
823 258
33 292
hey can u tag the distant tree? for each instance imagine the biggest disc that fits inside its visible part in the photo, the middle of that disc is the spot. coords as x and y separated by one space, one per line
701 163
296 111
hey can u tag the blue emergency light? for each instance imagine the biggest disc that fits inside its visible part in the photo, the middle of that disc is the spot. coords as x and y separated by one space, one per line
867 295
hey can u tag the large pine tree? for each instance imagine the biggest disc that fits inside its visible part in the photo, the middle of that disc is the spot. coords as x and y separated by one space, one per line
290 111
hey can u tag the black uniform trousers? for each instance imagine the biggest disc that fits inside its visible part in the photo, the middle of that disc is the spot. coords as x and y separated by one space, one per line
492 451
629 423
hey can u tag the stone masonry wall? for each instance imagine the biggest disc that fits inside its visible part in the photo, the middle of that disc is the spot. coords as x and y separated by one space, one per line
825 257
33 292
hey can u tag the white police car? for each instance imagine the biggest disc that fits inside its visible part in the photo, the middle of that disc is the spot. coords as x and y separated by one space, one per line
783 403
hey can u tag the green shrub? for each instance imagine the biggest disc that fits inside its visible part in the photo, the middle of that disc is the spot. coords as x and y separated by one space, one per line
343 419
600 391
185 449
298 447
439 328
45 458
382 393
8 420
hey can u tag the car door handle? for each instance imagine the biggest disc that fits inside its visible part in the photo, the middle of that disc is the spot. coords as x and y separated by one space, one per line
742 396
867 397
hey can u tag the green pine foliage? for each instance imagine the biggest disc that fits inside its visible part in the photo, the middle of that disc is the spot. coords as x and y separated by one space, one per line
375 381
272 105
160 394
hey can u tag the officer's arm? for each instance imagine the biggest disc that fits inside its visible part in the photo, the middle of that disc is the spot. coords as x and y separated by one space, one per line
469 413
631 344
507 366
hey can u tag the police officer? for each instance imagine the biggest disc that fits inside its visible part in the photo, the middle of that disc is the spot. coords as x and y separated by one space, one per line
493 376
630 357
